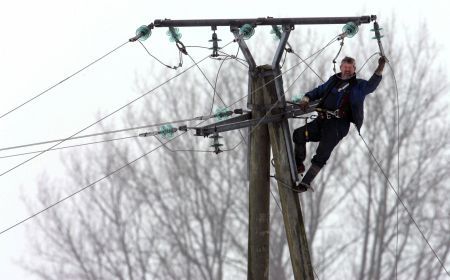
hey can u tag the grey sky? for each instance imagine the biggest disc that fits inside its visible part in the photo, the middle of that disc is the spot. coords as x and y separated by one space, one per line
43 41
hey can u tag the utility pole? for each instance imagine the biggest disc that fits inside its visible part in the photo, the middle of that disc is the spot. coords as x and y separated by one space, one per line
259 189
265 87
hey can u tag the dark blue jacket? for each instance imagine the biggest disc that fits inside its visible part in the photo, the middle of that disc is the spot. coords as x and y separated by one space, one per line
357 95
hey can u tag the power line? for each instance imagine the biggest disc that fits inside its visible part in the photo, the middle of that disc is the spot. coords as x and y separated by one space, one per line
215 85
72 146
109 132
215 82
307 64
84 188
194 150
225 54
101 119
404 206
367 60
63 80
206 78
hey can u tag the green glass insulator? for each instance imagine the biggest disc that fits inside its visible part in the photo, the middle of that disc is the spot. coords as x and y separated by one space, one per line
297 97
174 34
350 29
166 131
143 32
222 114
247 31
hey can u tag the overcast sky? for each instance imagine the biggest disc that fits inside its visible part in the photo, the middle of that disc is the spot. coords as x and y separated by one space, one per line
43 41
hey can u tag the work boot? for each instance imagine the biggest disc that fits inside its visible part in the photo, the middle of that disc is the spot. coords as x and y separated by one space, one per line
305 184
303 187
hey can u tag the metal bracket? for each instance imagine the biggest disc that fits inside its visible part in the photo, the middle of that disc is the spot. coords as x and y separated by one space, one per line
291 111
281 98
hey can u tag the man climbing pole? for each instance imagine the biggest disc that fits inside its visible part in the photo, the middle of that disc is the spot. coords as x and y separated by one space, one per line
342 102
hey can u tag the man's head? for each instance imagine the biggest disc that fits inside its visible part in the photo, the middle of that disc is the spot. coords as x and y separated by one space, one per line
348 67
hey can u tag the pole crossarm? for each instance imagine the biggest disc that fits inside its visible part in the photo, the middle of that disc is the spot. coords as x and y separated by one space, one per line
262 21
245 120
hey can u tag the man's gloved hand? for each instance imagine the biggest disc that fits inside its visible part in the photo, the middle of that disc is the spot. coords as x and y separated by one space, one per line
381 63
304 103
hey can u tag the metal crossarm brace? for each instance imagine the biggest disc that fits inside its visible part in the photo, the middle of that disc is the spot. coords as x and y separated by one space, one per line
281 98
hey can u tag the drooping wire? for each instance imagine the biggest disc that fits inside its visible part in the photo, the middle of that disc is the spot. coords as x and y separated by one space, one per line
206 78
181 150
225 54
63 80
196 150
397 124
403 204
180 63
217 78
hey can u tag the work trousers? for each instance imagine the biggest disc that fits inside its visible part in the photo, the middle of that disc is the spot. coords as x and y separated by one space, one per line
328 132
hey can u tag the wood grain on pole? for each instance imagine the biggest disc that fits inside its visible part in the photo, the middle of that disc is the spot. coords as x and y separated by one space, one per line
259 190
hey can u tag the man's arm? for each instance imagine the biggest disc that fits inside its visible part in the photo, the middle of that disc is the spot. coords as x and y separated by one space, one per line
313 95
318 92
370 85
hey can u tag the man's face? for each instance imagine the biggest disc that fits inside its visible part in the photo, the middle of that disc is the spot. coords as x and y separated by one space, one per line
347 69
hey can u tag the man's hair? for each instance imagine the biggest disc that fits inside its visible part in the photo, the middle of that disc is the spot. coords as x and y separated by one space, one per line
348 59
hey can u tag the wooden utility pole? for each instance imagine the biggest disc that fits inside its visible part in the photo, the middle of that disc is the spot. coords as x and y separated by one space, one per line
292 212
259 190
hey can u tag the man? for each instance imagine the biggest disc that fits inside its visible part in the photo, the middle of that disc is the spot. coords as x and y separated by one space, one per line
342 102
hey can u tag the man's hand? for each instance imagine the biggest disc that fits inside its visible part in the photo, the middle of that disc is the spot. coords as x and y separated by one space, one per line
304 103
381 63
